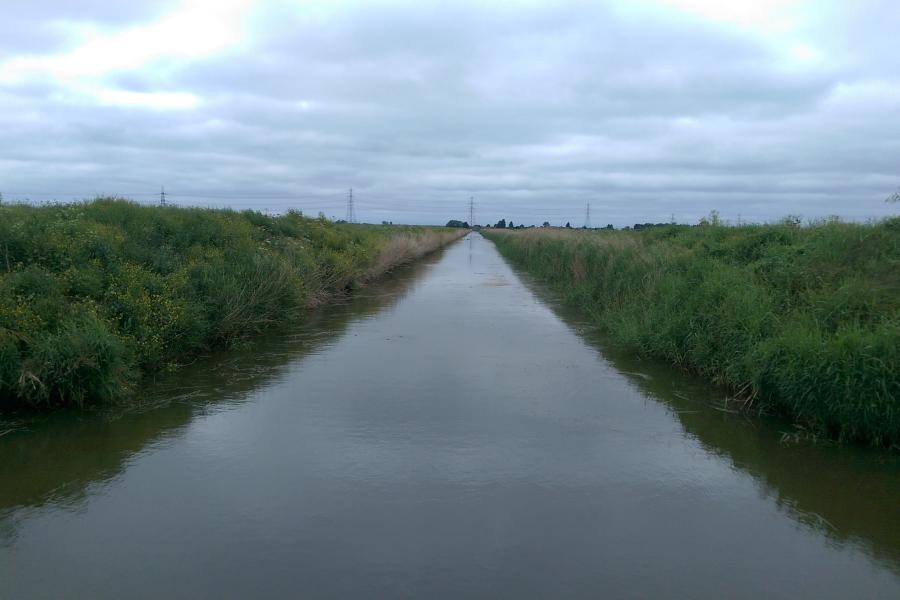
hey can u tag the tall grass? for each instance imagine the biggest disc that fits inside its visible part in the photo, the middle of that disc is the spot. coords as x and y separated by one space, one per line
802 321
95 294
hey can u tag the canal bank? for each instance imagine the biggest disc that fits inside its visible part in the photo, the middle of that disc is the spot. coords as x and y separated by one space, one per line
448 433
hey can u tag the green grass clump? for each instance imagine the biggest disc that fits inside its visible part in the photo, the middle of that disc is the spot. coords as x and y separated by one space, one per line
95 294
801 321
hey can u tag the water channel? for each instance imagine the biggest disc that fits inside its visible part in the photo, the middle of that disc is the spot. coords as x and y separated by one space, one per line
449 432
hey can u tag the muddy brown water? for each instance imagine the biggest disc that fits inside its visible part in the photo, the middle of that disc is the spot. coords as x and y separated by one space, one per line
450 432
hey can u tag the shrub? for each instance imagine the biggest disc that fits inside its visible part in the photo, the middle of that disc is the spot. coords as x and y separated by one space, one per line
803 321
94 294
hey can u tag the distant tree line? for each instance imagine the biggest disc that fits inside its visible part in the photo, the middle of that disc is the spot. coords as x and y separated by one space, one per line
638 226
504 224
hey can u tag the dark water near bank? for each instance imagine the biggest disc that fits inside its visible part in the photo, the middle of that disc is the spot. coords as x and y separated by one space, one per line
450 432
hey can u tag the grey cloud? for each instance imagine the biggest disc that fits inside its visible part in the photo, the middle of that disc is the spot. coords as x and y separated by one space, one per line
536 111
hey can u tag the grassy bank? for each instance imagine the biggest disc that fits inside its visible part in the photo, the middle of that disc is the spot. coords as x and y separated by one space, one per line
802 321
93 296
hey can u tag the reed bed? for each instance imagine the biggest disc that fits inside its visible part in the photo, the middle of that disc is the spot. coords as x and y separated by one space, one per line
799 321
96 295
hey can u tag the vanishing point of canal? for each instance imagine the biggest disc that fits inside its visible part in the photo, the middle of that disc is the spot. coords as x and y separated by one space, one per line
450 432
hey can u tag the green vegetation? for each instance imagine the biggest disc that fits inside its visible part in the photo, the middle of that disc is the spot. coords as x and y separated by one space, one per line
801 321
456 223
95 295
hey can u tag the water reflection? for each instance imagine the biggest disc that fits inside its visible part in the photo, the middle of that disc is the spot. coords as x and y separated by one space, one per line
458 443
57 459
848 493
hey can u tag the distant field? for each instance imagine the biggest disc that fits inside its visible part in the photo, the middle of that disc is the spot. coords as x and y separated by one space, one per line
94 295
802 321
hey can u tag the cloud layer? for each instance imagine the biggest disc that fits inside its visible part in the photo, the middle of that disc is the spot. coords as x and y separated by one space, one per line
646 110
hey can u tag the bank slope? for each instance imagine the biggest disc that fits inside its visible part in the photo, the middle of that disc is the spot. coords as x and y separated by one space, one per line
94 295
803 321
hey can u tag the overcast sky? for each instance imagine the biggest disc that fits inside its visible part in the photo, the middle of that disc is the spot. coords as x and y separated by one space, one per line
646 109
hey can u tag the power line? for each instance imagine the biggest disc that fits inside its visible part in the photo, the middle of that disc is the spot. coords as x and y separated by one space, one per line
312 201
328 202
323 201
288 197
188 194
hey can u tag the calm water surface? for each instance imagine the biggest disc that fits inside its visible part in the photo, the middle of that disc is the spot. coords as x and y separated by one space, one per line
451 432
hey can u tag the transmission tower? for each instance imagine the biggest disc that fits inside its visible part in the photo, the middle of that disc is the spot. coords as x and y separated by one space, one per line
587 216
471 211
895 197
162 196
351 213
